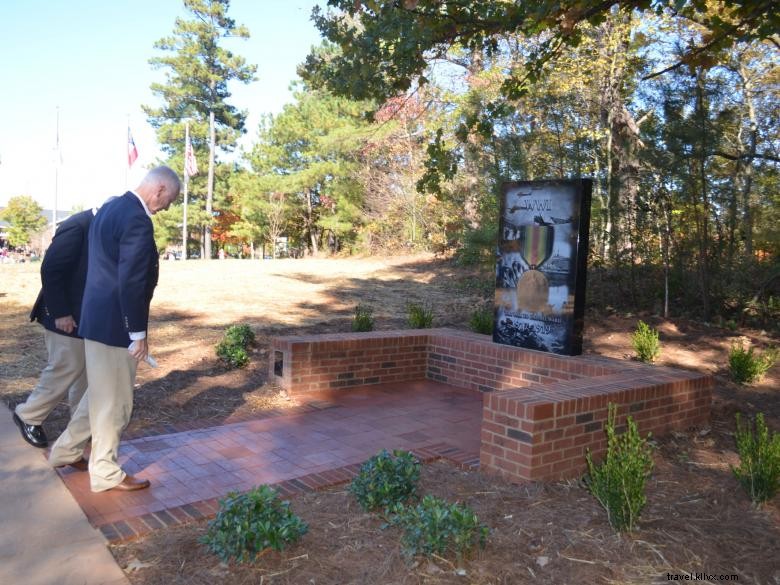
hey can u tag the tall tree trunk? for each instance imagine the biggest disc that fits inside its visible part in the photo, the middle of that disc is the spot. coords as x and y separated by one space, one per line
471 169
210 192
704 236
747 180
310 222
598 191
664 241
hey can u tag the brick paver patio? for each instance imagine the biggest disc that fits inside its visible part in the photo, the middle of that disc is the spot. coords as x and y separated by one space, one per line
302 451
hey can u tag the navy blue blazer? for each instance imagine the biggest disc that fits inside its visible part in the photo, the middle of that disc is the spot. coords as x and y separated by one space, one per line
122 273
63 273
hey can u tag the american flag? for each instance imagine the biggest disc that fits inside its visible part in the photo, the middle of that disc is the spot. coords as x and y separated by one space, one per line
190 164
132 151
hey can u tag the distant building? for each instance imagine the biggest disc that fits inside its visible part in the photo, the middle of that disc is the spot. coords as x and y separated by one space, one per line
62 215
4 225
44 240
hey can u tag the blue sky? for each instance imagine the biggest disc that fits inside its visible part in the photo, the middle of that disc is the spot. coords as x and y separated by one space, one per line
88 59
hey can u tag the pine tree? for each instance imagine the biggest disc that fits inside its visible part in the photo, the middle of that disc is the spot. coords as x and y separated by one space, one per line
198 71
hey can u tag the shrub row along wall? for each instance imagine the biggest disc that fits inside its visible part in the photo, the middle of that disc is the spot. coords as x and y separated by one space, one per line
541 411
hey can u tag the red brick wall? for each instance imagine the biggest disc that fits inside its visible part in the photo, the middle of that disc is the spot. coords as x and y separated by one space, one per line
541 411
470 360
544 432
344 360
460 358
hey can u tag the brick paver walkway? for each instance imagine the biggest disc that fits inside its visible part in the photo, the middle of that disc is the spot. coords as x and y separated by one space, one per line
190 470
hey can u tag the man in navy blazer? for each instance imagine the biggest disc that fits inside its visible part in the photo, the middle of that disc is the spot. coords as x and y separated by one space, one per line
121 277
58 309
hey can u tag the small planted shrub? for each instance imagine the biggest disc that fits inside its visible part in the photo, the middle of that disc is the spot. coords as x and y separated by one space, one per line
481 321
645 342
233 348
618 483
419 316
251 522
435 526
385 482
759 459
363 319
745 367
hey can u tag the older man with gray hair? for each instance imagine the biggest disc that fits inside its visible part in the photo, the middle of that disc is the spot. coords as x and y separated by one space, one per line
121 277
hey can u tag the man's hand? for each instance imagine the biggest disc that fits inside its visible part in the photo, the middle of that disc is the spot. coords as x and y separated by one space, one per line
139 349
66 324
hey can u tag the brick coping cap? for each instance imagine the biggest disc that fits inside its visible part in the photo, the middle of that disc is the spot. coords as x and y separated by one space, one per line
600 385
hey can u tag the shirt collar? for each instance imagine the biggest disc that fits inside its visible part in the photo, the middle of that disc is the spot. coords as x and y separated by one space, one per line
146 209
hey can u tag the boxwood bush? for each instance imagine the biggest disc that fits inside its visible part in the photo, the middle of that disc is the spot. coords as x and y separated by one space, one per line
248 523
386 482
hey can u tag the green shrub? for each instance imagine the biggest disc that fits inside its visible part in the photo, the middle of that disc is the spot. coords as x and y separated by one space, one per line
759 466
232 349
619 482
385 482
240 335
363 319
481 320
419 316
233 356
436 527
249 523
745 367
645 342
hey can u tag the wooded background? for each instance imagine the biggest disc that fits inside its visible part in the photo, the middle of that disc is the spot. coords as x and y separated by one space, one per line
410 115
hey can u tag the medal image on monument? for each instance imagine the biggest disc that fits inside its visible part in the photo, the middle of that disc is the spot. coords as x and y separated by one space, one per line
541 265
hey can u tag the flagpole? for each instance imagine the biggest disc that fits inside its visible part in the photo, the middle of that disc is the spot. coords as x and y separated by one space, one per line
186 184
56 175
127 146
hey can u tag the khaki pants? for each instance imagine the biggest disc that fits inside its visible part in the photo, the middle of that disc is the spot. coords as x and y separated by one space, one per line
105 413
64 373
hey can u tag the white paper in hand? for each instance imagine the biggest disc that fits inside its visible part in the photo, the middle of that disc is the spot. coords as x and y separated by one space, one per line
149 359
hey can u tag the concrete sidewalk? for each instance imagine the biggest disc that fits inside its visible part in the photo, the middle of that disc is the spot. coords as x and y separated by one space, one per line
45 539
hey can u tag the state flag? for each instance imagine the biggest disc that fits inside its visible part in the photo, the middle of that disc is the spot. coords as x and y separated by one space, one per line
132 151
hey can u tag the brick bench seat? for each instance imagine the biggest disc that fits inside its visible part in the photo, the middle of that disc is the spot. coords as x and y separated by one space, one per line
540 411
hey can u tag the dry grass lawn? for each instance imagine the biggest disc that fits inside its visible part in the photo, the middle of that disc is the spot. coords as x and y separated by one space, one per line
697 519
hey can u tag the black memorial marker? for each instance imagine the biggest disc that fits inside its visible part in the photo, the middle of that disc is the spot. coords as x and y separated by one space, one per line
541 265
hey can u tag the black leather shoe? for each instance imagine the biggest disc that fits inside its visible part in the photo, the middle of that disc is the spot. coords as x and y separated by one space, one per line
33 434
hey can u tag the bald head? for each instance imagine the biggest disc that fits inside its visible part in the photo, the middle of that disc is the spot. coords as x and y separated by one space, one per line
159 188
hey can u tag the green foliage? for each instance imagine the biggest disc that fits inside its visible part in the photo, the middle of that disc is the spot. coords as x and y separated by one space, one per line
436 527
251 522
481 320
619 482
384 52
24 215
233 348
419 315
200 71
745 367
385 482
478 246
759 466
315 141
363 319
645 342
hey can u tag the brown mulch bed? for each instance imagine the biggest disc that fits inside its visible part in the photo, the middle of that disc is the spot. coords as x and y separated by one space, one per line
698 519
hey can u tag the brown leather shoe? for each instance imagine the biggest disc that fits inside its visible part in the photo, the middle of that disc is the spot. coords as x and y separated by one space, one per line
80 465
130 484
